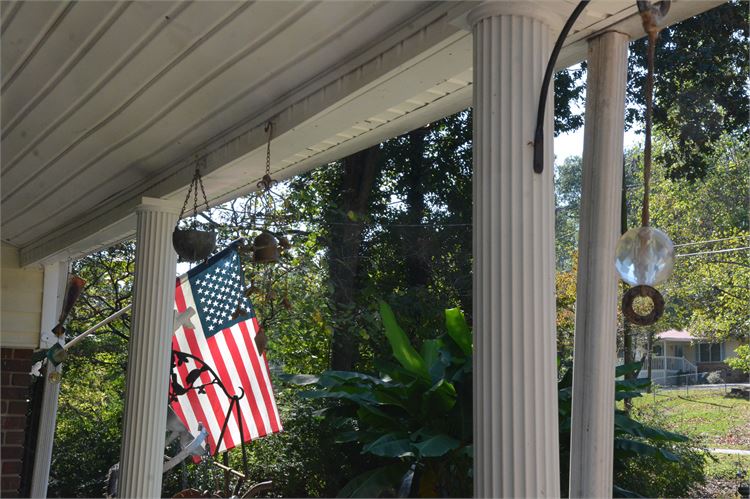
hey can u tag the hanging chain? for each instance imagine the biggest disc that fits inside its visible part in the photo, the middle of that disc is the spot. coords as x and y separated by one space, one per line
269 131
196 182
187 198
266 183
651 17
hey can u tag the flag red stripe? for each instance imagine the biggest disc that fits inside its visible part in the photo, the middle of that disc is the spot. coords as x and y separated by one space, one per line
273 413
258 374
242 371
221 370
205 377
211 390
195 404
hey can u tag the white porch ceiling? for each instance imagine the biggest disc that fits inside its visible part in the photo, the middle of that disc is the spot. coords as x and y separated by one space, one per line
106 102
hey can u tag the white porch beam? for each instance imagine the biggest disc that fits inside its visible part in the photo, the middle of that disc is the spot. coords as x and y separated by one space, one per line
595 340
515 396
146 390
52 296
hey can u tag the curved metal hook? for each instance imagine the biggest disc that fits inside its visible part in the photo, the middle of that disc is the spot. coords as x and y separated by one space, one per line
657 12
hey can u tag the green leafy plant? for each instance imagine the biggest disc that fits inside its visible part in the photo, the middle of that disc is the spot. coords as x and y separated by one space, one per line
742 360
634 440
416 415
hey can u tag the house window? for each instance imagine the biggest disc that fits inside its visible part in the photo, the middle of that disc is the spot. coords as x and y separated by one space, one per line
710 352
678 352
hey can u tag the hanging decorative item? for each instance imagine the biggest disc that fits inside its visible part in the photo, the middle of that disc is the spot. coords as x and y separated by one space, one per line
269 250
193 244
73 290
266 245
645 255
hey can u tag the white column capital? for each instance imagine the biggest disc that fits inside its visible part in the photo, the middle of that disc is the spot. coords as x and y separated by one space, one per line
158 205
545 12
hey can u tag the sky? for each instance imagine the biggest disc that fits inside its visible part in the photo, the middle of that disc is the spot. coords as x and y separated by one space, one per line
571 144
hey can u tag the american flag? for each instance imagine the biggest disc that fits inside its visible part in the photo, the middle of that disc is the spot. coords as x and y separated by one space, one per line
226 343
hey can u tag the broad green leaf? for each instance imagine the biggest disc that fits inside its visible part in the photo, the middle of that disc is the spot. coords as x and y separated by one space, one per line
358 398
436 446
375 482
299 379
390 445
567 380
407 356
632 427
627 395
458 329
349 376
376 418
634 448
347 436
440 398
396 396
632 367
430 351
632 384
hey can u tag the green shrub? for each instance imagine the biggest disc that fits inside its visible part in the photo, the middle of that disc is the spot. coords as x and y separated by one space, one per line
639 446
416 416
742 360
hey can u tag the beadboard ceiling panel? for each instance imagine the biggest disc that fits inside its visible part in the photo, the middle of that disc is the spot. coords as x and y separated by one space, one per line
104 102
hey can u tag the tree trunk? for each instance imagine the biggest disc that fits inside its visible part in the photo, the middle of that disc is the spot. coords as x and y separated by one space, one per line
414 236
345 219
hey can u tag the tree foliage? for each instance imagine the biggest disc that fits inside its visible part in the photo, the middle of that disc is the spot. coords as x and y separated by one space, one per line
701 67
741 359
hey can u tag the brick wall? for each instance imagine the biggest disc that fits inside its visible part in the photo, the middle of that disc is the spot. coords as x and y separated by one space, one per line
14 391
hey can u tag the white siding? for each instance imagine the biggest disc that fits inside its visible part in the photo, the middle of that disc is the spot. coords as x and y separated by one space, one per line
20 301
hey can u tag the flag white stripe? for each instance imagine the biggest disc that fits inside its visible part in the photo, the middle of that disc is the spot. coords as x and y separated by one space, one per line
205 355
245 355
212 424
189 413
247 414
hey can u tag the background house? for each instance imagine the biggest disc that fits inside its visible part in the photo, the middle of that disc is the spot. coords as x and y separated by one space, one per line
677 353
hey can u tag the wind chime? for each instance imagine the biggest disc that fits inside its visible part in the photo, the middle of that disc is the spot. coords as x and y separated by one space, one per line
269 247
194 244
645 255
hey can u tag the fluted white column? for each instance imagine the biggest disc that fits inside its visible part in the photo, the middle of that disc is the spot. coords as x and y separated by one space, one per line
595 341
54 287
146 390
515 397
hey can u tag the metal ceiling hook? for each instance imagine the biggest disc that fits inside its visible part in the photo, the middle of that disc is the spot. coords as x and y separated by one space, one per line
653 14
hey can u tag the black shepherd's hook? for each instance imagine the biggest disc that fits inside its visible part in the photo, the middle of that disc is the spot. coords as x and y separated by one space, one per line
193 383
539 132
657 12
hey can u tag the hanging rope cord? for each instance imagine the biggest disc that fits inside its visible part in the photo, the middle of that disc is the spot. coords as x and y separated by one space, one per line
651 17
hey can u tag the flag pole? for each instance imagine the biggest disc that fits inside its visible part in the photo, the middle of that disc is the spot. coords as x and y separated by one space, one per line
90 330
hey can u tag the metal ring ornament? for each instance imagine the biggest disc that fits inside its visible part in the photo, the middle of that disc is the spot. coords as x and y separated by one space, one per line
646 291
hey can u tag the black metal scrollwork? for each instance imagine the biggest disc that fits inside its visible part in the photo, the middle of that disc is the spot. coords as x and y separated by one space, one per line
193 381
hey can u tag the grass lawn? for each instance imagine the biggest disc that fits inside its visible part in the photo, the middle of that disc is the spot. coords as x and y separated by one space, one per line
714 420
